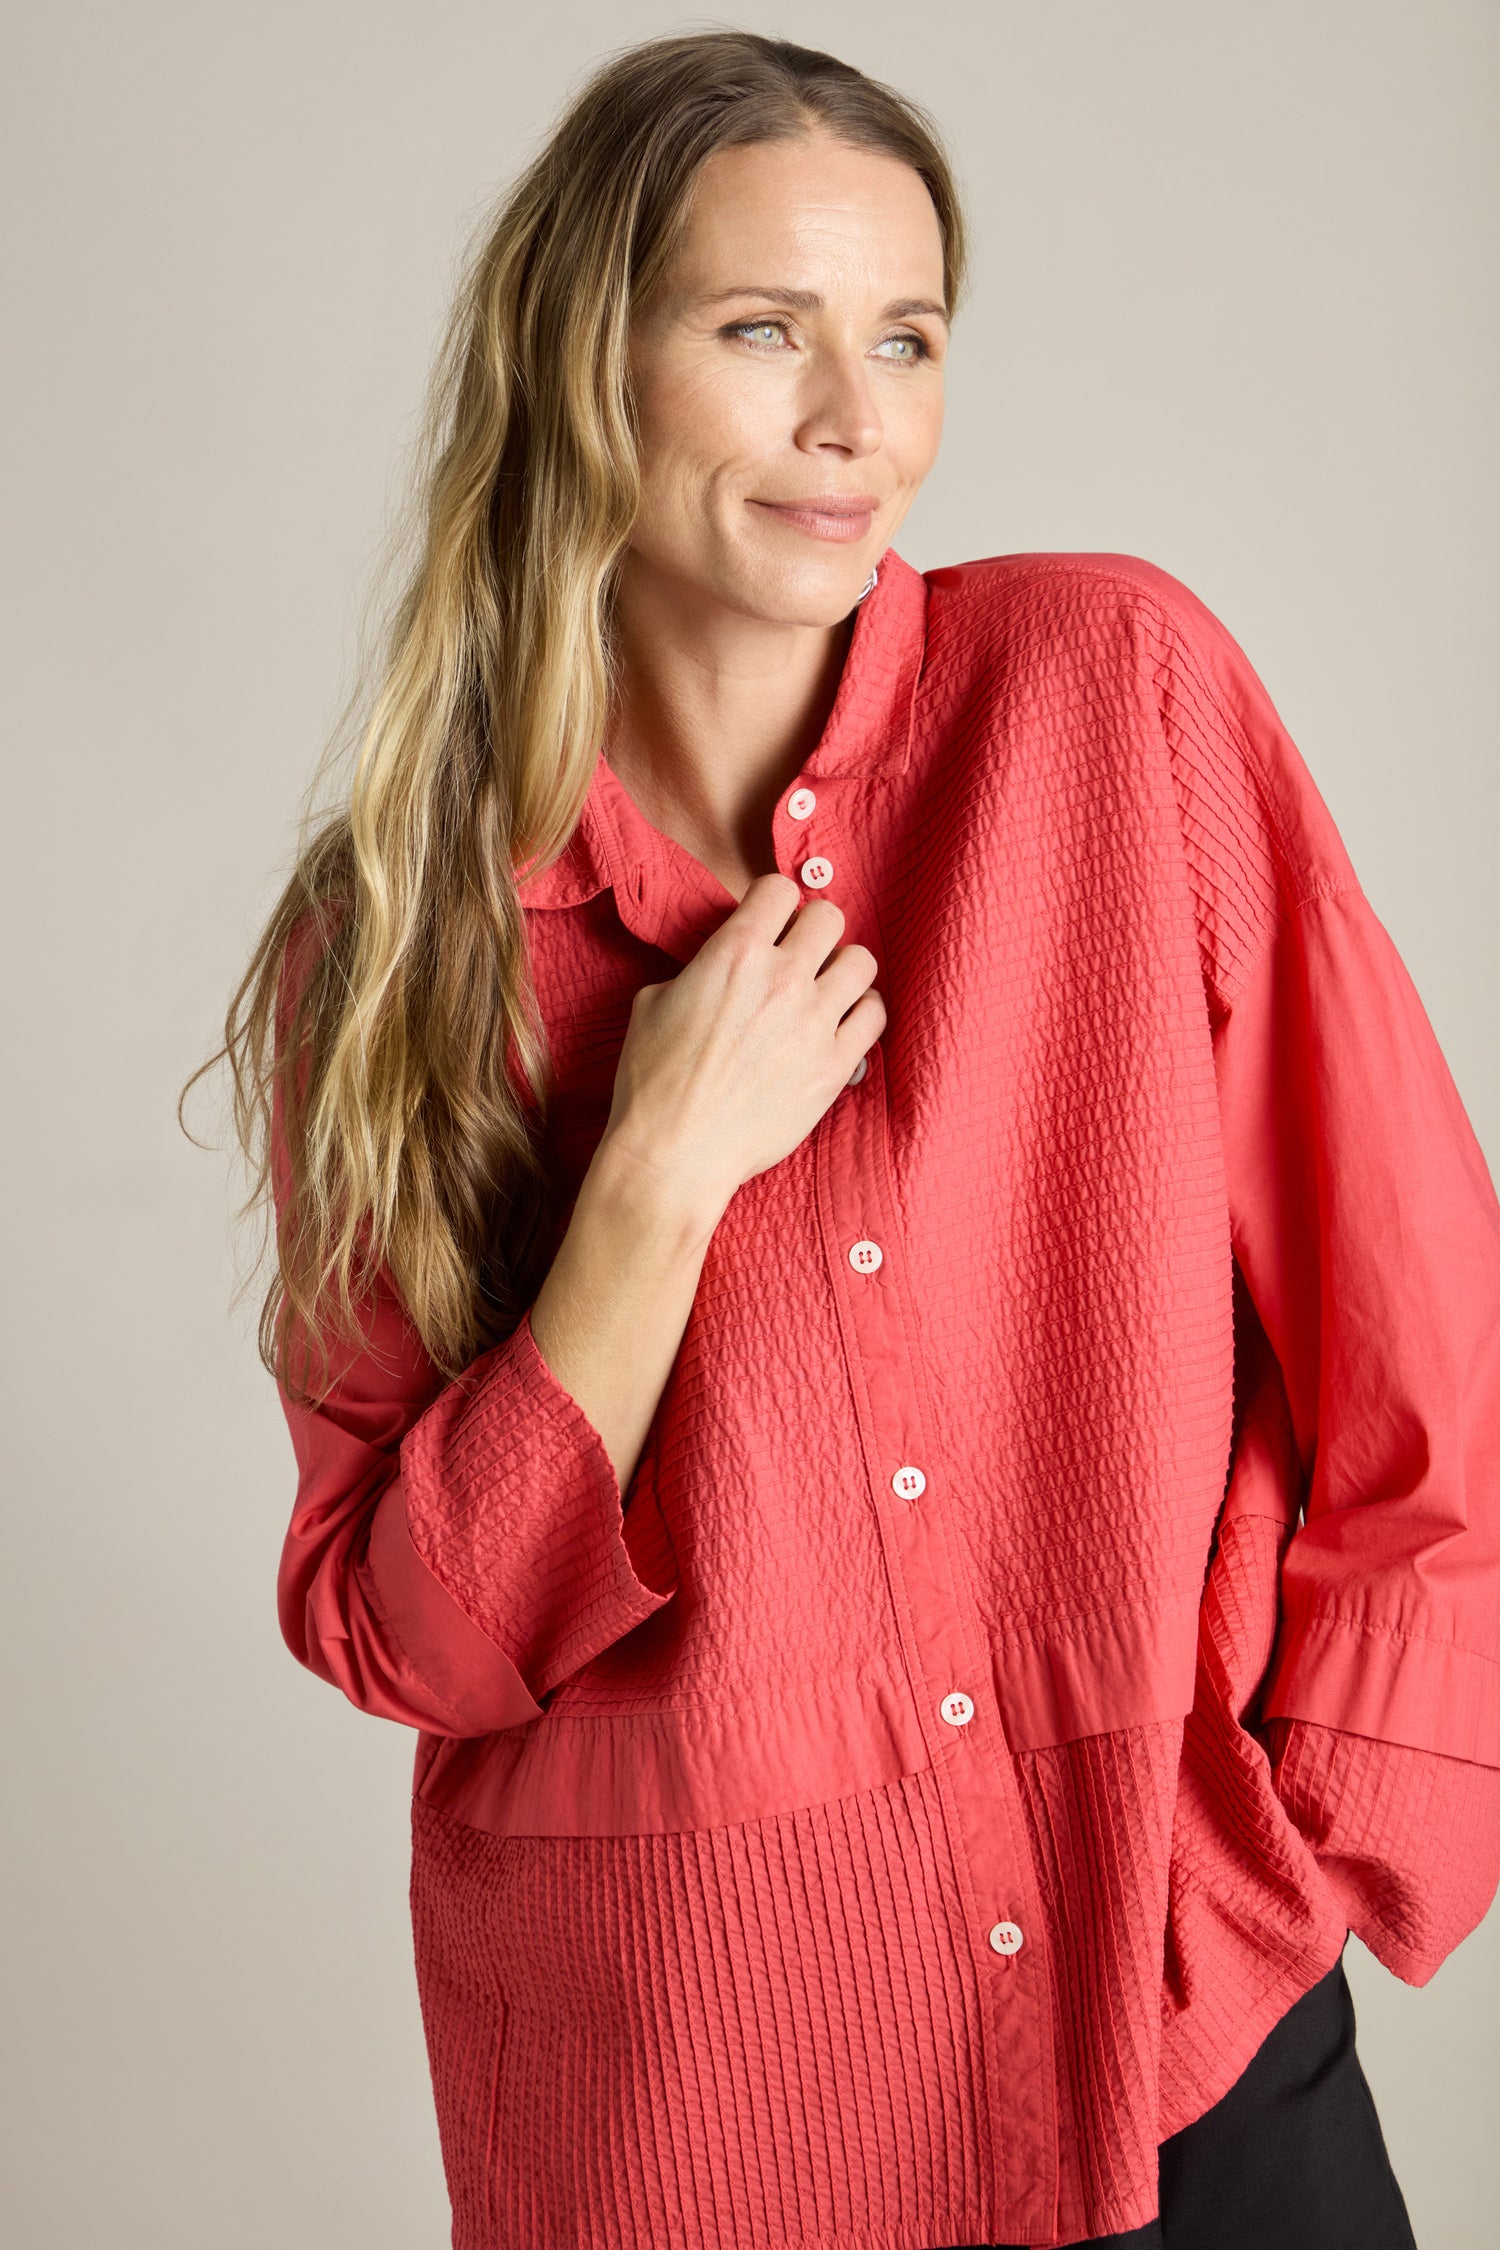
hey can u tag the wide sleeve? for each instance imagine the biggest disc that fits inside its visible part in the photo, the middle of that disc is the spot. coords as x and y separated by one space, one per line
455 1548
1364 1222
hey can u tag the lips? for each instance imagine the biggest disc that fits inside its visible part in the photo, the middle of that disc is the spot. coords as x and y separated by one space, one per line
825 515
827 504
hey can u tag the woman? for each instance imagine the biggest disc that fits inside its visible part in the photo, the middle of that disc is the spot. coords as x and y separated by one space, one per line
850 1160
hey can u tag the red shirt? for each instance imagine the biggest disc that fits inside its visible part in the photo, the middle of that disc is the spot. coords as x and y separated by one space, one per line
1058 1595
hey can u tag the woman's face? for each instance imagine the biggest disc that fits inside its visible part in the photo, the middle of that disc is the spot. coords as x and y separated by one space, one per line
794 354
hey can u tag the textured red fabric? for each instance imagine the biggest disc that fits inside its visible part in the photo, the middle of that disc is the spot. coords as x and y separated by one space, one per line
1188 1313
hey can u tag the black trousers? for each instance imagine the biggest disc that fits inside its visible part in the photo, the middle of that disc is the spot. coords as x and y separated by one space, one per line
1292 2158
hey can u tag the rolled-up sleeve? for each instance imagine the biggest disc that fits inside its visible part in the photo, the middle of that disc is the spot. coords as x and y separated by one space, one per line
456 1548
454 1552
1364 1222
1366 1226
1367 1229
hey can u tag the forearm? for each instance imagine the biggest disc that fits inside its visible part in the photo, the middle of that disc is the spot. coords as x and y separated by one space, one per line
611 1312
460 1547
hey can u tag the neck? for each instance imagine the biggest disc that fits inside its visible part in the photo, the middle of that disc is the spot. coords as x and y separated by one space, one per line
715 713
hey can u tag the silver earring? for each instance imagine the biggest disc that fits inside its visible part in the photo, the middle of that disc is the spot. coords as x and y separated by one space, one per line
869 584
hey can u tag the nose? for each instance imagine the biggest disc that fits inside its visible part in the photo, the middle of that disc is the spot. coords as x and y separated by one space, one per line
837 405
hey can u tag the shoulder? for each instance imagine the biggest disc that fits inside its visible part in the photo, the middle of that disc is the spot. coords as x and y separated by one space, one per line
1056 588
1060 623
1116 628
1086 613
1106 634
308 941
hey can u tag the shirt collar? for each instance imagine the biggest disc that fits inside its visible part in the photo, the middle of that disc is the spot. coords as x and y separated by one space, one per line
868 731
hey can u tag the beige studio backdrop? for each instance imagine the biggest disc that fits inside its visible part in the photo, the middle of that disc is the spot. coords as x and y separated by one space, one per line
1234 311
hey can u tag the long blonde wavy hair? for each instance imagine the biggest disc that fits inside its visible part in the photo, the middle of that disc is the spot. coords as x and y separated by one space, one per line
390 1068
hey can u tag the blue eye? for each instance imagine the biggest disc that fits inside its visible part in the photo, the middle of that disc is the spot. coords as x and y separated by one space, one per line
748 328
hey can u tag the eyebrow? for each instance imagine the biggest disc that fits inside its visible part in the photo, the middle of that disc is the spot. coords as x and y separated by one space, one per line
808 300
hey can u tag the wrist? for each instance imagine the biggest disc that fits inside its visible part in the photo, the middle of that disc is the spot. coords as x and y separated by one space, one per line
674 1213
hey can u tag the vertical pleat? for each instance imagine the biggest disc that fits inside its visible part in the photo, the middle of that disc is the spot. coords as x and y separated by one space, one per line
1100 1813
756 2034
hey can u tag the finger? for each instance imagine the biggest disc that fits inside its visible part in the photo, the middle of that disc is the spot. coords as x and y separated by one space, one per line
769 903
861 1027
848 971
815 936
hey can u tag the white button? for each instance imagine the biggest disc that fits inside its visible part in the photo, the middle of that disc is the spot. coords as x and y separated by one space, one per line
857 1073
956 1709
865 1256
800 803
909 1482
1005 1937
816 872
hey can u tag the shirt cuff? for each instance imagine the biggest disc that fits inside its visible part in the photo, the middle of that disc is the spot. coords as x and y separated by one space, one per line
514 1507
1396 1687
1408 1840
458 1668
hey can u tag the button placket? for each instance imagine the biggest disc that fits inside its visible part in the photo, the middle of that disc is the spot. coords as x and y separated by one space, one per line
816 871
945 1646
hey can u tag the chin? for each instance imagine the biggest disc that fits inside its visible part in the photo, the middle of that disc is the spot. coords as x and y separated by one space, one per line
819 591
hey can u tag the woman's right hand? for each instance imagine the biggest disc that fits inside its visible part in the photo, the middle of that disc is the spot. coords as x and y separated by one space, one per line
730 1064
